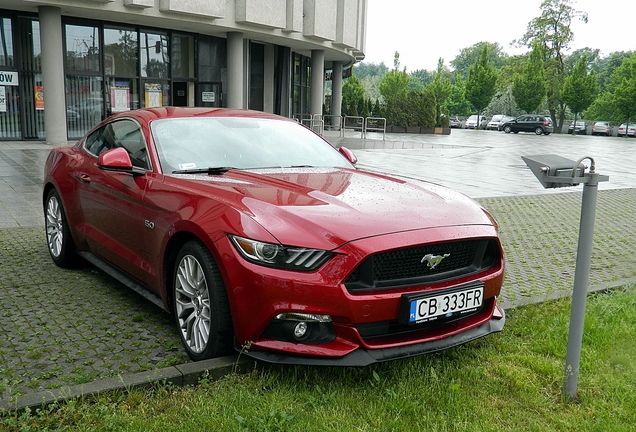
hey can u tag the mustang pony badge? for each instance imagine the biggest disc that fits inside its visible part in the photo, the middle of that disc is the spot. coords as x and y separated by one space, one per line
433 260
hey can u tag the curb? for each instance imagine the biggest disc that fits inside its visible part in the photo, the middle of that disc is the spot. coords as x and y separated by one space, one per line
181 375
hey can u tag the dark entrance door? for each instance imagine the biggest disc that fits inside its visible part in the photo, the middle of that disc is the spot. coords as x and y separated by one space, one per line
180 93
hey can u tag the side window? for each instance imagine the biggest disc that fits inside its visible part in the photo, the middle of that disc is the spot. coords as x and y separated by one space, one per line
95 143
126 134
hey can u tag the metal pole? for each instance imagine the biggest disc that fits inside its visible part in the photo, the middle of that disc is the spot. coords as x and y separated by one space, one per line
581 282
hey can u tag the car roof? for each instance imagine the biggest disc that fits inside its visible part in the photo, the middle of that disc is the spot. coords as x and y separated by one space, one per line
150 114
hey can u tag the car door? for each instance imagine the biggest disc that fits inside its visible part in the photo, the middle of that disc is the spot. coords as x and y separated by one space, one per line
113 202
527 124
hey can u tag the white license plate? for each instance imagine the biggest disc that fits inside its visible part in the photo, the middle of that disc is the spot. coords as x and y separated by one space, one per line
448 304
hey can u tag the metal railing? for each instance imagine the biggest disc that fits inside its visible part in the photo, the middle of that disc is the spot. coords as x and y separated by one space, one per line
352 123
375 124
333 122
313 122
318 123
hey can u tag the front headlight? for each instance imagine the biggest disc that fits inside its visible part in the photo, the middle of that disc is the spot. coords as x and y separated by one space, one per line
279 256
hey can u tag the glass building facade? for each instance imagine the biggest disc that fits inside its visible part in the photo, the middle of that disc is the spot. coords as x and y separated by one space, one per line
110 68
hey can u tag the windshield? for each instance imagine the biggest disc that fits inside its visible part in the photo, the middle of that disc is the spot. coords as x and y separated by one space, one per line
186 144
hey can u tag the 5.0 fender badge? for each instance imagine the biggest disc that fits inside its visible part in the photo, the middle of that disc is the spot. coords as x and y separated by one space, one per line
433 260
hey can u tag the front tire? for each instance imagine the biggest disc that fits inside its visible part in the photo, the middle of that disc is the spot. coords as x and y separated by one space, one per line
201 306
58 235
507 129
538 131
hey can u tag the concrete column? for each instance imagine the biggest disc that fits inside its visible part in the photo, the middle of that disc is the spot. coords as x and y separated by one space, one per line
53 75
235 71
336 89
268 84
317 81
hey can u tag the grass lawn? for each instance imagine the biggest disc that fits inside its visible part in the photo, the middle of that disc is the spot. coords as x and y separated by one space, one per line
510 381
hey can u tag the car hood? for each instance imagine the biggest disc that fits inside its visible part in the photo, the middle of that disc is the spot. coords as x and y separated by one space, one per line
325 208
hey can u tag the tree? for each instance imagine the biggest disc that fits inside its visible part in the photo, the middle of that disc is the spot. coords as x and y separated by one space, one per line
482 78
469 56
364 70
394 88
552 31
370 84
624 79
395 83
605 67
422 77
529 87
456 103
613 104
352 92
580 89
441 88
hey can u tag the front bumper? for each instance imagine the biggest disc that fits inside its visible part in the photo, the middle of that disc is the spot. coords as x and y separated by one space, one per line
364 357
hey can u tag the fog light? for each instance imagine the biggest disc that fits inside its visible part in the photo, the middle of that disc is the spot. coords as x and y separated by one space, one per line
294 316
300 329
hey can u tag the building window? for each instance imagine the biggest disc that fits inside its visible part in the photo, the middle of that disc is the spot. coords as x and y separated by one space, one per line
82 48
183 56
302 79
257 76
154 55
121 48
6 42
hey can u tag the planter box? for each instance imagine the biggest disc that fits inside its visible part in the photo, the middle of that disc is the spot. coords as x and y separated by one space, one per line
417 129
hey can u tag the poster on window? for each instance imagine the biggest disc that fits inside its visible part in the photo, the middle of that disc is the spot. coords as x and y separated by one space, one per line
39 97
152 95
3 99
120 97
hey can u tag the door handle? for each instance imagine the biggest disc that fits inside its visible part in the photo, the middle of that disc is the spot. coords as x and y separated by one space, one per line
85 178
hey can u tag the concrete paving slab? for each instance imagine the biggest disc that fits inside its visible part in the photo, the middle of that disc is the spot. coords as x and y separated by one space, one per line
70 331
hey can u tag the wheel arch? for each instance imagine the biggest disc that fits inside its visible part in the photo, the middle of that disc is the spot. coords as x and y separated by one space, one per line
45 192
174 245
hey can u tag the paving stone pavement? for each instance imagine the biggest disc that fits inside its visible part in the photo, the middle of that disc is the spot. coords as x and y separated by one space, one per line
63 327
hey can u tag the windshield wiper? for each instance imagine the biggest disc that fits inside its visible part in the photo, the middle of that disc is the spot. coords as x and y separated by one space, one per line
209 170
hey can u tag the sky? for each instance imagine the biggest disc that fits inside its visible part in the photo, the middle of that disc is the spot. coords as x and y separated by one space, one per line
422 31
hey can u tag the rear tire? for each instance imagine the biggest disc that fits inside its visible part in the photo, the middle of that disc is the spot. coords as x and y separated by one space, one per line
538 131
201 306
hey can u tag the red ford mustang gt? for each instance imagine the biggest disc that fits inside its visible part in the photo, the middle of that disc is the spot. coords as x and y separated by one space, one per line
255 232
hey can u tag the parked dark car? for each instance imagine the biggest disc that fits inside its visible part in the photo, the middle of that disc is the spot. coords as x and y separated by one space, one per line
602 128
503 121
539 124
254 231
581 128
455 122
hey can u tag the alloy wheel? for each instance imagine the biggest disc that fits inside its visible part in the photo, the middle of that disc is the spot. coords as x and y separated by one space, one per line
54 226
192 302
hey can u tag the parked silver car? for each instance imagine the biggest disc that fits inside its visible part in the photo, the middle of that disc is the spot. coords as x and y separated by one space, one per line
622 130
495 121
602 128
471 122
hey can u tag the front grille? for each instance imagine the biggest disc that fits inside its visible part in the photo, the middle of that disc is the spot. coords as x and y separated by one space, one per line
402 267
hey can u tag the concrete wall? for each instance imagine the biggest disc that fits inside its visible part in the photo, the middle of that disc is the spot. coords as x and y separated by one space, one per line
335 26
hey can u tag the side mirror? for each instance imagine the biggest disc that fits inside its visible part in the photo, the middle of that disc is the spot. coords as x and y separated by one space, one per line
117 159
348 154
